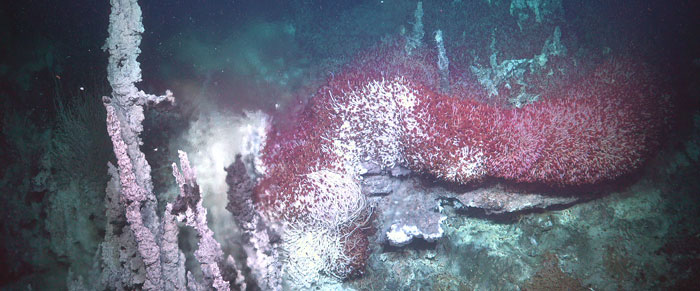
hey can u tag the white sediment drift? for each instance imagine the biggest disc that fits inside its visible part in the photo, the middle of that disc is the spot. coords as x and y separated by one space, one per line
401 235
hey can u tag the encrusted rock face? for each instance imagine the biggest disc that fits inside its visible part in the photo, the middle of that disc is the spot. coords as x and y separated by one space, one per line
378 185
496 200
409 212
